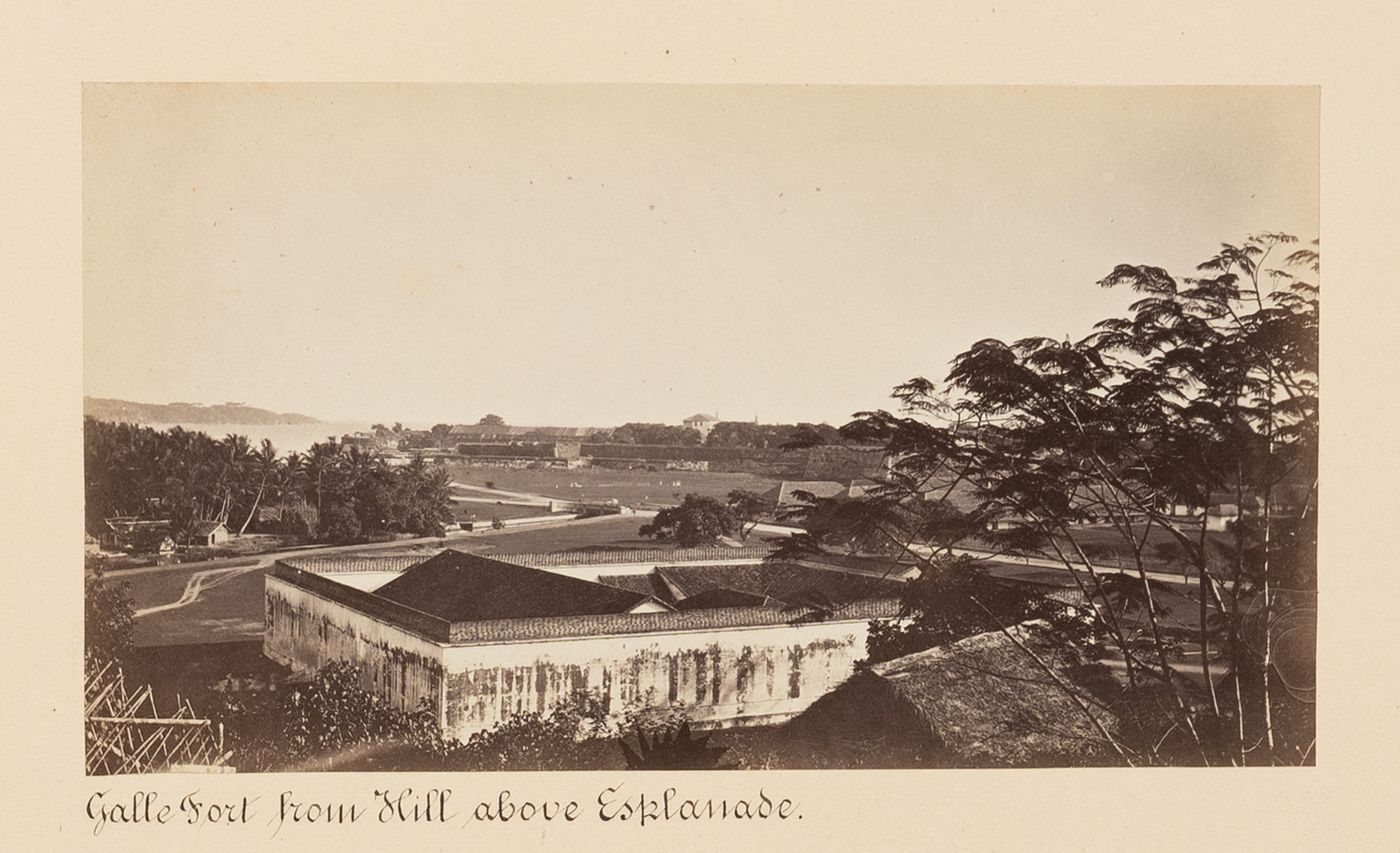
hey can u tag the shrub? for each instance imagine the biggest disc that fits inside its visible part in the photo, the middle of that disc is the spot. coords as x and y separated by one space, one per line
107 619
340 524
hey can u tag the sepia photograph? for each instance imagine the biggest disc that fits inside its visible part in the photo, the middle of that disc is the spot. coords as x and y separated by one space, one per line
621 426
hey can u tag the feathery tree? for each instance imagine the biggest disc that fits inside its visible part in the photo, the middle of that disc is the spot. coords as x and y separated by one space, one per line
1206 389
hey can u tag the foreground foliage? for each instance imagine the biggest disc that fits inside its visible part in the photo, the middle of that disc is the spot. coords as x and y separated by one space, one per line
333 723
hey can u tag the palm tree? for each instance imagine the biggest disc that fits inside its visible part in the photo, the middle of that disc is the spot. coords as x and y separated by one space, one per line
291 477
319 462
265 462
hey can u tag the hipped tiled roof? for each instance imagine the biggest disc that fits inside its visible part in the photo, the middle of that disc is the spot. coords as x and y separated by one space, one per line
462 587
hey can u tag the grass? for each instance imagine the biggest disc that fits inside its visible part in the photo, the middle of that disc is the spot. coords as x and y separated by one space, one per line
615 533
474 511
629 487
231 610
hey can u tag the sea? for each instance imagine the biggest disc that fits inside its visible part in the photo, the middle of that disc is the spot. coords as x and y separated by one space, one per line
285 437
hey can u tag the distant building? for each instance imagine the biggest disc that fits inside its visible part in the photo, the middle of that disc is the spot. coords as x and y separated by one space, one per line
207 534
1220 516
365 440
701 423
979 702
136 535
417 439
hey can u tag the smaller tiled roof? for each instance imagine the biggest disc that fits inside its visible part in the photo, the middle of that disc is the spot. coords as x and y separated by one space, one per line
713 598
645 584
701 417
788 583
461 587
204 528
768 584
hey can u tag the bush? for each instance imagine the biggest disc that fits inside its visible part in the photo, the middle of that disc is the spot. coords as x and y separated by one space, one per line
333 723
327 720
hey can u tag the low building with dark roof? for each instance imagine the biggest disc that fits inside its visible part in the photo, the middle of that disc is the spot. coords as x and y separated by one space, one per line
207 533
481 639
137 535
984 701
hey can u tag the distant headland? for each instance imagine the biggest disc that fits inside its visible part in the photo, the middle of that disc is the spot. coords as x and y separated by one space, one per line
187 413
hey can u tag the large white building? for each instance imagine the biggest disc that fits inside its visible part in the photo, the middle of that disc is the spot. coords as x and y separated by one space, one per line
701 423
481 639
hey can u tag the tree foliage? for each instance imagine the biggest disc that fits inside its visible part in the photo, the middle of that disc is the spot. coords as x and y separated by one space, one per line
654 434
743 434
699 520
954 598
747 508
185 476
1204 393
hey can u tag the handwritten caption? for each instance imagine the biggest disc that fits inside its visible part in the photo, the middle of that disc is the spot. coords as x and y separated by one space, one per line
615 804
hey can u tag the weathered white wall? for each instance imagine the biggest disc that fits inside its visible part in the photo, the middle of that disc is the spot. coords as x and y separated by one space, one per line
723 676
727 677
306 631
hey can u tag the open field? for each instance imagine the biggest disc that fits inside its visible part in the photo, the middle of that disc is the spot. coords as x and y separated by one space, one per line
222 603
229 610
601 484
617 533
481 511
1107 545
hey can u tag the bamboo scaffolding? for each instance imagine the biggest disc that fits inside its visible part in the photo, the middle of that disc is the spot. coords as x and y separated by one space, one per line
126 734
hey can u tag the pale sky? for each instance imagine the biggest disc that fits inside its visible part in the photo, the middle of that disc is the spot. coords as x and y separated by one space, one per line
591 255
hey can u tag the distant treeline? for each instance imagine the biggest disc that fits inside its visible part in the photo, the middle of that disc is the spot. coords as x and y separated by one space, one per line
185 476
186 413
832 462
725 434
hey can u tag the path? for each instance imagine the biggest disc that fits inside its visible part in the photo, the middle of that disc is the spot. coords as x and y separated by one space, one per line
208 574
198 583
522 498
